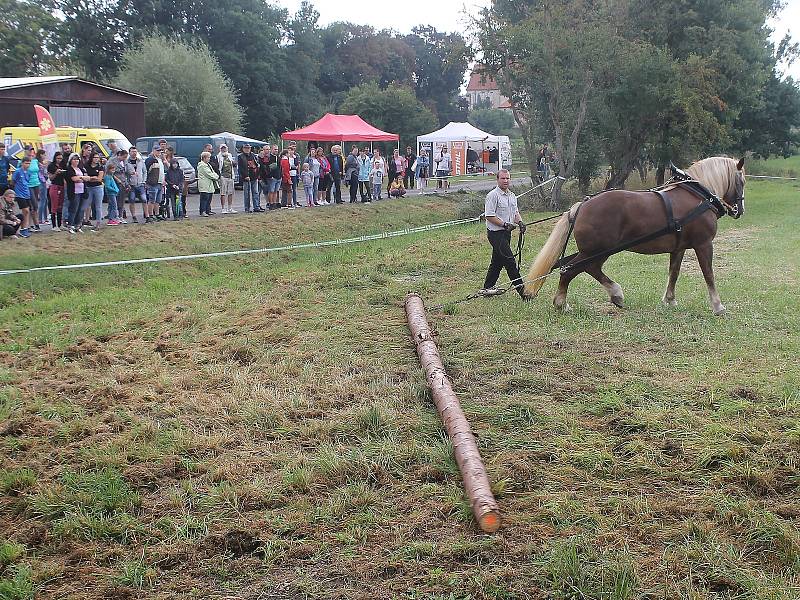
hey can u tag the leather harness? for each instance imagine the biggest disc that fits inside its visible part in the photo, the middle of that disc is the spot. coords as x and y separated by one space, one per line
708 201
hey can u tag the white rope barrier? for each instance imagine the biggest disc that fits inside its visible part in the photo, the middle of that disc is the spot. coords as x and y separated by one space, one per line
323 244
771 177
541 185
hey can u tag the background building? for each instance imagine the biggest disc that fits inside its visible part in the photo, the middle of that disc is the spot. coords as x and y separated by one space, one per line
72 101
482 88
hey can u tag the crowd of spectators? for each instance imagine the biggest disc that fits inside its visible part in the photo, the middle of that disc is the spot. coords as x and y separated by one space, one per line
69 191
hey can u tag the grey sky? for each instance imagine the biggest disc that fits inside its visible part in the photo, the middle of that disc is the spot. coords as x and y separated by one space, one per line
451 15
444 15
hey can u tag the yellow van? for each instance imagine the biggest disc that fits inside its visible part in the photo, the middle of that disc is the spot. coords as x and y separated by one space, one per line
16 138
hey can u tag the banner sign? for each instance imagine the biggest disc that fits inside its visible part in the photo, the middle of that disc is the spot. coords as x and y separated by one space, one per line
47 131
459 157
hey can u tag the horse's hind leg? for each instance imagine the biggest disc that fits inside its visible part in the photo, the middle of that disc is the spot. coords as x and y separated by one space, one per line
705 255
675 260
612 287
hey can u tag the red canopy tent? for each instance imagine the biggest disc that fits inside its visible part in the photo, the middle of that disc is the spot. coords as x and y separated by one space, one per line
340 128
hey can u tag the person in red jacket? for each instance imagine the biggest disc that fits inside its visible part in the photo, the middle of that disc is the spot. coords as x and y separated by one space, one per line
286 180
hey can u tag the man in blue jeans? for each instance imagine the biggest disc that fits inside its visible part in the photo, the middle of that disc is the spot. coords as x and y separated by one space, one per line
247 162
154 165
135 174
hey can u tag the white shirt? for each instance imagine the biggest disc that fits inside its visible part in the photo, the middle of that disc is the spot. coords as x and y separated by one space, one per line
502 205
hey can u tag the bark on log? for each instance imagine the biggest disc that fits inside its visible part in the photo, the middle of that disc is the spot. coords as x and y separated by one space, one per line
476 482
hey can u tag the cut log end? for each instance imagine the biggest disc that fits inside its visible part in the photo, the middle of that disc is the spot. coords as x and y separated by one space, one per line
490 521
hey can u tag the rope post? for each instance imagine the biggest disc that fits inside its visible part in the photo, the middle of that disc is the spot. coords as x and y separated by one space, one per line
470 464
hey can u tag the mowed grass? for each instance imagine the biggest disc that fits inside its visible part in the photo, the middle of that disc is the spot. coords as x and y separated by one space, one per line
260 427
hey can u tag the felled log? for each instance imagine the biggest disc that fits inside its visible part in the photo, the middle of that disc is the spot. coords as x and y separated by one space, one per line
476 482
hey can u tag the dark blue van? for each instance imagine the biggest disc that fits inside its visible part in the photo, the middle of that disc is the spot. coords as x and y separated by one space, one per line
188 146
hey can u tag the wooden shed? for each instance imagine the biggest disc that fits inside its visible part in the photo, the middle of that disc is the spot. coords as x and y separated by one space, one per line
72 101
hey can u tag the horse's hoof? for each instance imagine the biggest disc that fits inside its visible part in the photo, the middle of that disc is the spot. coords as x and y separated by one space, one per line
561 306
673 303
618 301
719 311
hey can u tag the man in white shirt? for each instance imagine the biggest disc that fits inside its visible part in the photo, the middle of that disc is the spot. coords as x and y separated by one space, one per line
502 216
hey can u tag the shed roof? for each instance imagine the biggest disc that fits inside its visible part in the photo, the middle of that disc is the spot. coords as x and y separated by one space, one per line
7 83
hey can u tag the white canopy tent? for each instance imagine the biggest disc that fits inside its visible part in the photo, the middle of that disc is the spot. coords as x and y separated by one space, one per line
458 138
459 131
241 140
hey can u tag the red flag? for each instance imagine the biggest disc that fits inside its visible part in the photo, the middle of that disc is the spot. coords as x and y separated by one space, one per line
47 131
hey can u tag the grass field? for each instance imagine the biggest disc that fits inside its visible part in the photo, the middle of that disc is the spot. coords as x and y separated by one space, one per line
780 167
259 427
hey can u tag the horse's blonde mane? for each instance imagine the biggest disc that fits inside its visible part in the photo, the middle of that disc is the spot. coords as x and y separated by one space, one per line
717 173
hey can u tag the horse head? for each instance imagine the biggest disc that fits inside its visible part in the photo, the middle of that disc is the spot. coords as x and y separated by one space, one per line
736 209
725 178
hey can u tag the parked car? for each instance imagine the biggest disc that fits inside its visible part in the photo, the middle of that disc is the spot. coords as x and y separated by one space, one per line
100 137
189 172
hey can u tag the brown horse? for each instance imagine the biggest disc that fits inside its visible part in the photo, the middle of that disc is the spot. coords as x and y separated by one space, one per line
612 218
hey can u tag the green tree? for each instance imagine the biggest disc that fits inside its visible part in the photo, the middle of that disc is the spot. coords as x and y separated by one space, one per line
186 91
303 54
772 128
246 38
723 64
492 120
92 36
26 31
395 109
440 60
548 60
357 54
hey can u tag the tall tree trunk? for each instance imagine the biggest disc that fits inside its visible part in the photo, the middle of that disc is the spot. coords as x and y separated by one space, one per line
530 150
624 163
660 174
567 163
642 170
555 197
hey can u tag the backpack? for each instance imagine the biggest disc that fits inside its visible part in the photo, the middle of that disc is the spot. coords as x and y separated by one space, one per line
152 174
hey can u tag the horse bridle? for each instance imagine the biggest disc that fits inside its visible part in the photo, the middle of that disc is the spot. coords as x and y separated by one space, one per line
721 206
732 210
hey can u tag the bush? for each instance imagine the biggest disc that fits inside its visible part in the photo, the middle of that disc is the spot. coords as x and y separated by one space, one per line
187 93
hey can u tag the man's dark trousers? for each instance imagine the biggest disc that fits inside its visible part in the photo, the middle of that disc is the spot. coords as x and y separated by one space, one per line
336 188
502 256
353 186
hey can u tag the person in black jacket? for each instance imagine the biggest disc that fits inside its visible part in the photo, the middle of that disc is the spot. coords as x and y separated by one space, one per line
408 178
351 173
247 162
337 171
174 182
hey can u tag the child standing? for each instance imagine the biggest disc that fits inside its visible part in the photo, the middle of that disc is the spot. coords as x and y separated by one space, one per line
174 182
112 191
377 181
307 177
21 183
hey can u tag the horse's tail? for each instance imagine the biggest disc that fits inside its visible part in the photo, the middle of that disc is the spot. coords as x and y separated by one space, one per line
549 253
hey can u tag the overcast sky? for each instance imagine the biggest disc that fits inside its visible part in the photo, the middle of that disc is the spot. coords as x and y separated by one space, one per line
450 15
